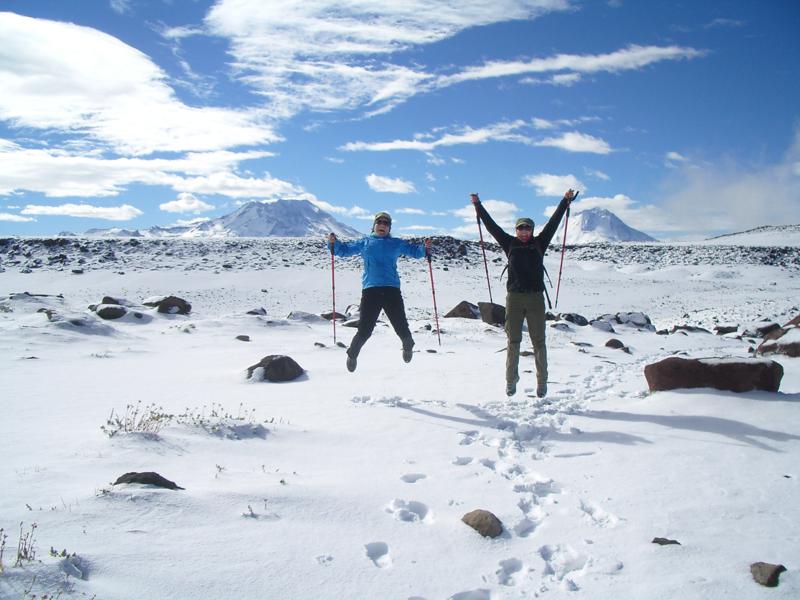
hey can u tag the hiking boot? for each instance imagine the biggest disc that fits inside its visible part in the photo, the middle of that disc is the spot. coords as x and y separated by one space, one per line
352 362
353 350
541 390
511 388
408 347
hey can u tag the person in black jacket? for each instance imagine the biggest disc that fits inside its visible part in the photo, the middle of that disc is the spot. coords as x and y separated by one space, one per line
525 287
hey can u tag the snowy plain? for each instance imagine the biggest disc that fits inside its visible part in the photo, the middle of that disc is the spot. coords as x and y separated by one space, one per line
348 485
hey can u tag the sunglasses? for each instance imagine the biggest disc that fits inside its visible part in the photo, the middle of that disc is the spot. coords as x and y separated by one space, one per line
383 222
528 227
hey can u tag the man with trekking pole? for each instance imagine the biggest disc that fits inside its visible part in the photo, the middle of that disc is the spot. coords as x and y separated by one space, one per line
525 288
380 282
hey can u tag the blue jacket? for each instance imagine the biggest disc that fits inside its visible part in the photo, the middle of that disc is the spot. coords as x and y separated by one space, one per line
380 257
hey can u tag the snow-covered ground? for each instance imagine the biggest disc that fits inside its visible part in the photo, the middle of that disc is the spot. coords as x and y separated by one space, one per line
348 485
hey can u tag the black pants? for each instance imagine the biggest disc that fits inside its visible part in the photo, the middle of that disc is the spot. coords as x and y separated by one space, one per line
385 298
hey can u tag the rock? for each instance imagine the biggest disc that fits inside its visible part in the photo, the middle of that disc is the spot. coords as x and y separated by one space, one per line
602 325
725 329
575 318
258 311
786 343
147 478
111 300
329 316
277 367
464 310
169 305
735 375
77 271
305 317
689 328
766 574
110 311
243 338
759 329
484 522
615 344
561 326
665 542
794 322
492 314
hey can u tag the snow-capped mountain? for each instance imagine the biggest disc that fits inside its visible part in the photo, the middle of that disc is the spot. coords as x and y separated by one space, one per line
599 225
281 218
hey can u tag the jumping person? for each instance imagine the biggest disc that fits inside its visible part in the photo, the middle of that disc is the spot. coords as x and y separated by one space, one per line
525 287
380 282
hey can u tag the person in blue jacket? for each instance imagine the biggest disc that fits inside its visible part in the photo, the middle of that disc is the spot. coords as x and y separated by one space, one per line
380 282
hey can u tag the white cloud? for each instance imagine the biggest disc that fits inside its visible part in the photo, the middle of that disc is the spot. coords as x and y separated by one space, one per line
14 218
378 183
575 141
722 22
59 174
120 6
409 211
230 184
547 184
631 58
598 174
186 203
334 54
504 214
80 81
674 157
125 212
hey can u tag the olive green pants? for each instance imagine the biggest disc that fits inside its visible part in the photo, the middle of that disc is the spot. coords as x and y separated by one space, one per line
521 307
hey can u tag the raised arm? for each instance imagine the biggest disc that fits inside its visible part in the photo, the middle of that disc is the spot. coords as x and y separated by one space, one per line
493 228
340 248
549 230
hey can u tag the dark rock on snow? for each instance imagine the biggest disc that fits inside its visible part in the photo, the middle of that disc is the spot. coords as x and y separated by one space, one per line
464 310
484 522
170 305
147 478
766 574
735 375
665 541
778 344
615 344
492 314
277 368
110 311
243 338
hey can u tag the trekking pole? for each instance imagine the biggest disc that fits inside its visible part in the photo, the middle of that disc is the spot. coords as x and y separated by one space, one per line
333 293
483 249
433 290
563 248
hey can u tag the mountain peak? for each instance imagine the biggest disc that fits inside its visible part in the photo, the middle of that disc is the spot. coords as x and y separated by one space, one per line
599 225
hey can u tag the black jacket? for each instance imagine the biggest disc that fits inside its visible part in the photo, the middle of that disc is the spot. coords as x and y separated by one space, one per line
525 261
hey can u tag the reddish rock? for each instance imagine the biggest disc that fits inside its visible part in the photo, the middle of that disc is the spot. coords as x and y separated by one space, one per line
735 375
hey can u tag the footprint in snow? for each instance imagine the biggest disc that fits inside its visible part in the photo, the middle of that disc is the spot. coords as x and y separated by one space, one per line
413 477
562 562
378 553
597 515
462 460
507 571
472 595
408 510
470 437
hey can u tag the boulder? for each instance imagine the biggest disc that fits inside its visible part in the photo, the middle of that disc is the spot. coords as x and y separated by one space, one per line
243 338
766 574
493 314
786 343
484 522
329 316
261 312
147 478
574 318
795 322
169 305
110 311
730 374
689 328
615 344
464 310
276 367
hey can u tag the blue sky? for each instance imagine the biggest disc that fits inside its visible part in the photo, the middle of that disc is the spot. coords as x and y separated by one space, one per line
683 118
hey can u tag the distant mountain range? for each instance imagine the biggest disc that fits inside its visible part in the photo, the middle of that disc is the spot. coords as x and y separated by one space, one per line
281 218
767 235
599 225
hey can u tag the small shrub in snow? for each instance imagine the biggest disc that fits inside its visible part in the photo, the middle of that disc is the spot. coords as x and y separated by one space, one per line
218 421
151 419
26 549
